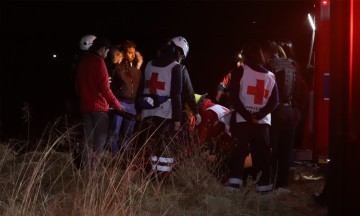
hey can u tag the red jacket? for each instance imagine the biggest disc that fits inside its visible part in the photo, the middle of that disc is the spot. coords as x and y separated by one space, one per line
92 85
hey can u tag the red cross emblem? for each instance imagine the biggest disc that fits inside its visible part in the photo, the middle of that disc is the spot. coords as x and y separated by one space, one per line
153 84
226 110
258 91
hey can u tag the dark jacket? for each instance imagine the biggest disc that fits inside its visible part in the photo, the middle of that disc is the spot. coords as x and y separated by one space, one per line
125 82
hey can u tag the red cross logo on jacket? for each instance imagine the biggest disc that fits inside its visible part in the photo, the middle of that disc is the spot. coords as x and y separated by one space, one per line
153 83
258 91
226 110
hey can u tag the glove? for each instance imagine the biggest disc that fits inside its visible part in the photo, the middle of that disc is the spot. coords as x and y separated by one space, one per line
198 119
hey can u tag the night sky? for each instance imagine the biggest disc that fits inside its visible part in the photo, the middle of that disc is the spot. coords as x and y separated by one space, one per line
31 32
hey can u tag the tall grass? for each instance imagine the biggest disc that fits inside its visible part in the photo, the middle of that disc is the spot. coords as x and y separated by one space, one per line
45 181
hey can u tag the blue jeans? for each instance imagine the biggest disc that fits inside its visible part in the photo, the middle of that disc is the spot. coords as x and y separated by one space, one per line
96 125
124 126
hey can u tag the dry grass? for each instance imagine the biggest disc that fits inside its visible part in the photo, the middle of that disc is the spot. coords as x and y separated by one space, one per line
46 182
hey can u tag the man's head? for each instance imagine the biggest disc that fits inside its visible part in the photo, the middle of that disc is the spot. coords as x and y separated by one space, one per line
129 49
252 54
180 46
288 49
101 46
270 49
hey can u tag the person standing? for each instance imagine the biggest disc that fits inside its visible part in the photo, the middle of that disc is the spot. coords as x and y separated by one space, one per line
285 117
254 96
72 99
163 89
125 83
301 98
190 109
223 86
93 88
189 105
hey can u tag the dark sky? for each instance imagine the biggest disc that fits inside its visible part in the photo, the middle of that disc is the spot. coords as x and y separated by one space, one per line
32 31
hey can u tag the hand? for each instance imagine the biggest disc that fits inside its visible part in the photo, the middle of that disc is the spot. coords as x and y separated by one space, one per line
122 108
140 60
198 119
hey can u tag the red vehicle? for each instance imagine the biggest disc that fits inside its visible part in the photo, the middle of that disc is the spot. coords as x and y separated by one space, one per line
337 99
333 55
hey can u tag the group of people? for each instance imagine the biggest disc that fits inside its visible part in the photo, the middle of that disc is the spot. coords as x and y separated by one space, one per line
266 92
263 106
114 94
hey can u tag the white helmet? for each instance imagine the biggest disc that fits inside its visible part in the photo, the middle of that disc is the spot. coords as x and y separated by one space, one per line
86 42
182 43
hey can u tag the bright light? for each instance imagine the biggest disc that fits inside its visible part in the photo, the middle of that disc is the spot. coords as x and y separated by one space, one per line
311 21
54 56
324 3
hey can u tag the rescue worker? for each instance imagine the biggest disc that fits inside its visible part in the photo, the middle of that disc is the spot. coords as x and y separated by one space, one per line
214 135
161 105
215 119
254 96
188 94
223 86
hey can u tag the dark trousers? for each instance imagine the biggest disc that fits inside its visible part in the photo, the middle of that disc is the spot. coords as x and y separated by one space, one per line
158 145
254 138
154 131
95 130
282 131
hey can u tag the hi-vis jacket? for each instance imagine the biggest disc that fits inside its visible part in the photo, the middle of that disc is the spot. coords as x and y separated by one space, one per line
158 82
255 90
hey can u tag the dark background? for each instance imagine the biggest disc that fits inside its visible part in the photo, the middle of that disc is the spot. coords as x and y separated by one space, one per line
32 31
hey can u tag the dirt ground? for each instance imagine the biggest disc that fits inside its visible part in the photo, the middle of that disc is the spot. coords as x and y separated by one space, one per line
306 179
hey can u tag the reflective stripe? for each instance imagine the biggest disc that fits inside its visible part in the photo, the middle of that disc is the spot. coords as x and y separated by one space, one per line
235 181
264 188
166 160
161 168
162 159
